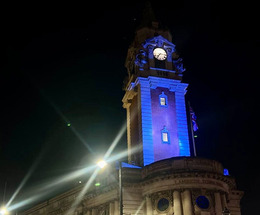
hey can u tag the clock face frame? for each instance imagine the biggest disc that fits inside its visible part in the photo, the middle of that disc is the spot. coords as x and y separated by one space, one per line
159 54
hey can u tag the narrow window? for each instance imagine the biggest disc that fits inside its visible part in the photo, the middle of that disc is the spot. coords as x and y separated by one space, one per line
163 100
165 135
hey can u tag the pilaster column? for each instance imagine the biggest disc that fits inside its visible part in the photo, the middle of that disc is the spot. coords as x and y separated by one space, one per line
129 144
116 211
181 118
218 206
177 208
187 203
111 208
224 201
149 208
145 116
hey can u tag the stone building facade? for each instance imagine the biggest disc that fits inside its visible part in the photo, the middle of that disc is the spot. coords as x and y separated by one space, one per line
179 186
162 176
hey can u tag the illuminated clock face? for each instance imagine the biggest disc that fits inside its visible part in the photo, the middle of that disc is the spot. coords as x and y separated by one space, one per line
159 54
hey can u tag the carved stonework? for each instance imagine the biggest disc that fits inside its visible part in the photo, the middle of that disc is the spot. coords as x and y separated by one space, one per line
141 59
209 194
165 194
56 212
159 41
179 65
103 209
194 194
129 63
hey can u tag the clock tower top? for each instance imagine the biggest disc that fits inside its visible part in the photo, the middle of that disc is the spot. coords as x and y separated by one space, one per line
152 53
154 96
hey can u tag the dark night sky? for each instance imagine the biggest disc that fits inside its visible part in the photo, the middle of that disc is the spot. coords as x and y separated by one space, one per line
65 63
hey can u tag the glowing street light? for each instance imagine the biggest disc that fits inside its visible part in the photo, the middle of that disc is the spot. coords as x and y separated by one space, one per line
101 164
3 211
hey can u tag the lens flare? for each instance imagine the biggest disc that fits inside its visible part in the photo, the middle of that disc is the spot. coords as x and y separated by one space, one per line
101 164
3 211
25 179
116 141
82 193
46 189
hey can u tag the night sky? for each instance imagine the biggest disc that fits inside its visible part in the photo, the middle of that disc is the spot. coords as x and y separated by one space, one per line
64 63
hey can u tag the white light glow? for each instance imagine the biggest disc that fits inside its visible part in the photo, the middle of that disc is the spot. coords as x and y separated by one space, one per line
101 163
3 211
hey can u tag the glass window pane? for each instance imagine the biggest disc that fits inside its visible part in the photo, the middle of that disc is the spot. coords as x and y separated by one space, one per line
163 204
165 137
162 100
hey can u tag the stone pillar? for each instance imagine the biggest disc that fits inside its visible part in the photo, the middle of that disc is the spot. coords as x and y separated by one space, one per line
218 205
177 208
149 208
224 201
111 208
87 213
187 203
129 144
116 206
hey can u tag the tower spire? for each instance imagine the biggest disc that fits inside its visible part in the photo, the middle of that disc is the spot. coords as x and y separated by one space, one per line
148 16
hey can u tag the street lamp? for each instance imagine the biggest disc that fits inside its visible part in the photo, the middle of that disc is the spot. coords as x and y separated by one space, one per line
3 211
102 164
226 211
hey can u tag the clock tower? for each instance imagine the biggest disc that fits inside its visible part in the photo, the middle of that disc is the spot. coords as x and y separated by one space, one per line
164 178
154 96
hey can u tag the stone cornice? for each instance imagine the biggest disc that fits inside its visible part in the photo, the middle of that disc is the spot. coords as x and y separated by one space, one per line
182 164
188 181
154 82
159 41
129 95
101 190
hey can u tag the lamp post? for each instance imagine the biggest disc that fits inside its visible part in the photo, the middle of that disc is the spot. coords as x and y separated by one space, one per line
226 211
102 164
120 189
